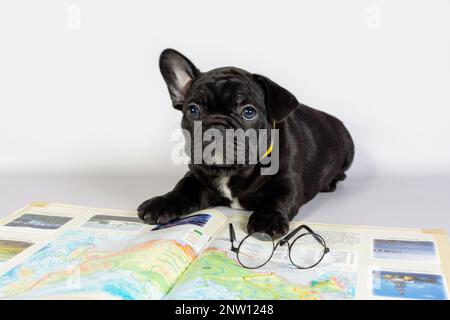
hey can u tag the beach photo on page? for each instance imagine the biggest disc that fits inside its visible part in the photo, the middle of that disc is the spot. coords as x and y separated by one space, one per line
11 248
404 250
38 221
114 223
408 285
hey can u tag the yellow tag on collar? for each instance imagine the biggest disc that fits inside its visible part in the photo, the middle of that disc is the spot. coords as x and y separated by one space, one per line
269 150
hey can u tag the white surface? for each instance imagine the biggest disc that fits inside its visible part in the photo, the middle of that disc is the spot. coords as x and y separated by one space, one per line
81 94
418 202
89 98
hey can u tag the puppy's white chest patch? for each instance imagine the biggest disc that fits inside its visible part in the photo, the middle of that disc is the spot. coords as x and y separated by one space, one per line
225 191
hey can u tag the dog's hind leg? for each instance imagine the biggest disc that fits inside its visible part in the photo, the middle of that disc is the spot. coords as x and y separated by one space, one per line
349 150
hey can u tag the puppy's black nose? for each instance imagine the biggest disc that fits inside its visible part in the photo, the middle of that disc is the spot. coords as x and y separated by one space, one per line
218 121
217 127
214 133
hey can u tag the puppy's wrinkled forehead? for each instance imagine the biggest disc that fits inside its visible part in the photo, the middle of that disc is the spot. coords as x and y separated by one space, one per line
225 89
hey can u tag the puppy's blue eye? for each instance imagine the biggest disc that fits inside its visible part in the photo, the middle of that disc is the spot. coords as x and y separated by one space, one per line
193 111
249 112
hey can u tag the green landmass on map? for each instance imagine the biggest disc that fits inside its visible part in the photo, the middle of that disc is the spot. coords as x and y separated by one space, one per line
214 275
83 263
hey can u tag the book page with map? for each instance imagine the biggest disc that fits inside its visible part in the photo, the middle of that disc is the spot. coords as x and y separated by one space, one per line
68 252
363 263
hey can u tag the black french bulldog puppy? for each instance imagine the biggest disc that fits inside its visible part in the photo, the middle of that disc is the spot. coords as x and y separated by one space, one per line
315 149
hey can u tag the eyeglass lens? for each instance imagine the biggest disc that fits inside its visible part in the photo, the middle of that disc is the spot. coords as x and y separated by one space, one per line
307 250
255 250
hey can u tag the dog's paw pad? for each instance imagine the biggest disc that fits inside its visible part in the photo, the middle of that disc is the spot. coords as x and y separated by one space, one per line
274 224
158 210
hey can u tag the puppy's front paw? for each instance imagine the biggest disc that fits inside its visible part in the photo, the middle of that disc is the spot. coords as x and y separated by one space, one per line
158 210
274 224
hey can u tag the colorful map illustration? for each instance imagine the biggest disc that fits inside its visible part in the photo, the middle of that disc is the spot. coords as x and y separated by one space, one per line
214 275
105 265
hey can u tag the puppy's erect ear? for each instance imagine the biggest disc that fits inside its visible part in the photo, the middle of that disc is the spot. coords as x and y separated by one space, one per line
179 73
279 102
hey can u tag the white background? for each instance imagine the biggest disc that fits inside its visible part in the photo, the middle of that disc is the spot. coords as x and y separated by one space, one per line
92 99
81 92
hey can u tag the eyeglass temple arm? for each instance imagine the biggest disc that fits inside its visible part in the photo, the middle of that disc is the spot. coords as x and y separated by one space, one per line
297 230
232 237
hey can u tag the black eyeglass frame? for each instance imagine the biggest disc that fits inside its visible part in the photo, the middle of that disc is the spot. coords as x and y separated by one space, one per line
282 242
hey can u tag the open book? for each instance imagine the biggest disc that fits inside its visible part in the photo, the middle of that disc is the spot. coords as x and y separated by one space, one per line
63 251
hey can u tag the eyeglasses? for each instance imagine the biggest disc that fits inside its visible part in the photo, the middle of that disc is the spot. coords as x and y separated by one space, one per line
256 249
